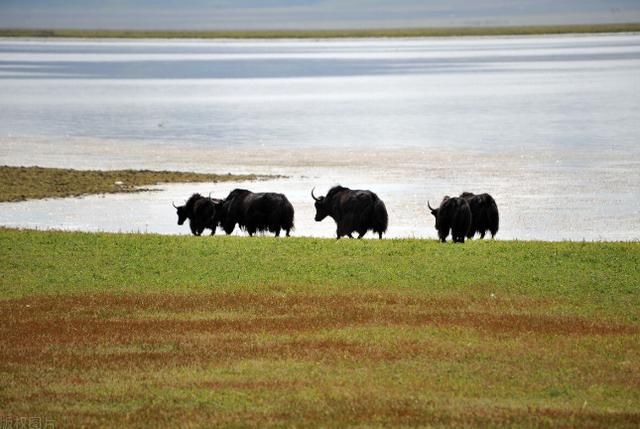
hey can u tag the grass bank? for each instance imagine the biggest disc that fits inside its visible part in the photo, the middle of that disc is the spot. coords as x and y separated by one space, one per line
306 34
146 330
22 183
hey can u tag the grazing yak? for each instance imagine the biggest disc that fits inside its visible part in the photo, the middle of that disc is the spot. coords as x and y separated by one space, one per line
353 210
453 214
253 212
484 214
202 213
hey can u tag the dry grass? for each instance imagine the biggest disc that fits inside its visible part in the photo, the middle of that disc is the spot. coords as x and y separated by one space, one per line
21 183
373 359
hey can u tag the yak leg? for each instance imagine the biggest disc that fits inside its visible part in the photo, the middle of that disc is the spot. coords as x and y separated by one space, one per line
443 233
277 232
251 229
194 228
228 228
287 232
344 230
482 234
380 235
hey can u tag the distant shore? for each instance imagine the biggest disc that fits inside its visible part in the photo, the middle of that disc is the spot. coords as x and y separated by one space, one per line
314 34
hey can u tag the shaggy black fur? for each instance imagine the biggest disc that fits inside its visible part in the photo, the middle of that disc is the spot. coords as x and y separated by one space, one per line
266 211
484 214
202 213
353 211
453 214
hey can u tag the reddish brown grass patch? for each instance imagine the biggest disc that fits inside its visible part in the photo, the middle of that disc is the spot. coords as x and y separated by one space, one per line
124 330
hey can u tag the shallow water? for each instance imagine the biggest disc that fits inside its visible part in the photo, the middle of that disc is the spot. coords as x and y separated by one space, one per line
548 125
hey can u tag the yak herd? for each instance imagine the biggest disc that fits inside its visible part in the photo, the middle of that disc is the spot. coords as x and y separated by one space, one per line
354 211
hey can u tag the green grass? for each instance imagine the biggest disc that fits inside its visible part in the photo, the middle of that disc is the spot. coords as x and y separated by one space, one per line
275 34
22 183
147 331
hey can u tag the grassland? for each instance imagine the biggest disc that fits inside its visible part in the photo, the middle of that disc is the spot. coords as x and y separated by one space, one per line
22 183
306 34
145 331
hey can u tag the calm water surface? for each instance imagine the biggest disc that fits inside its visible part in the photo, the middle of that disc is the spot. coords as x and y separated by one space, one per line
548 125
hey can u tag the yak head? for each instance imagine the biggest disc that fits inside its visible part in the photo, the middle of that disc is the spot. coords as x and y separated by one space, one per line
322 207
435 212
182 213
219 210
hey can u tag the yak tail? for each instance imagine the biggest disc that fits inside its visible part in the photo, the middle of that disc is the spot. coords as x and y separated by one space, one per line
287 216
380 217
494 220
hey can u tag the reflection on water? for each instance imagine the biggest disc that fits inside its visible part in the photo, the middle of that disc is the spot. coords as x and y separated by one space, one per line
548 125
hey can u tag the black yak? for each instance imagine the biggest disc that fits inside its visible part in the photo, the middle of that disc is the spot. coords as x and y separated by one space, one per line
353 210
484 214
453 214
266 211
202 213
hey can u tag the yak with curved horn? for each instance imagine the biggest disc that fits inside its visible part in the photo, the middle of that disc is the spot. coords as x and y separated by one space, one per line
453 215
353 211
202 213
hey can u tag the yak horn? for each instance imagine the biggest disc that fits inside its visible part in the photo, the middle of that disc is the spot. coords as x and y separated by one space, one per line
429 205
174 205
313 196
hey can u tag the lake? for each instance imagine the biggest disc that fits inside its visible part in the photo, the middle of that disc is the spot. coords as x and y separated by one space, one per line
549 125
